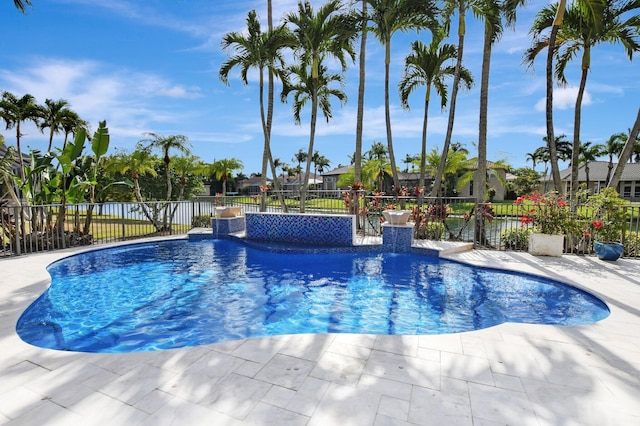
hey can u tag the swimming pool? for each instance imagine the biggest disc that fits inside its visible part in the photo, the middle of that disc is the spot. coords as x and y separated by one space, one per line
179 293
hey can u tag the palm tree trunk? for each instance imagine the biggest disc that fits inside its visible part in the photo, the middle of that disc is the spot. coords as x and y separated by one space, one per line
626 153
423 151
312 134
357 156
609 170
437 182
387 116
551 140
481 172
575 154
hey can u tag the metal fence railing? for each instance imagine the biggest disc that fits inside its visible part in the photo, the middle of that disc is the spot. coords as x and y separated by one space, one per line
30 229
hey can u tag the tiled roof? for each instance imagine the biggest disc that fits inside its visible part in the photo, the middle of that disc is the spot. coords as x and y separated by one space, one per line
598 172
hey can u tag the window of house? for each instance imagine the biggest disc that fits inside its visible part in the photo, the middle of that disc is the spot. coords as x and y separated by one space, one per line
627 191
470 187
636 191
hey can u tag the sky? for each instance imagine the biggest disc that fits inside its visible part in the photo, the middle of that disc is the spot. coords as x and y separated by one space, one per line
152 66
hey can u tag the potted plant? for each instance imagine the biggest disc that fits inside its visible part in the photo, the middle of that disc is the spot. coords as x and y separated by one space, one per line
551 217
607 224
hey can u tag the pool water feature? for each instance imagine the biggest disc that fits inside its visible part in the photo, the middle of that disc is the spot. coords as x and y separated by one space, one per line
179 293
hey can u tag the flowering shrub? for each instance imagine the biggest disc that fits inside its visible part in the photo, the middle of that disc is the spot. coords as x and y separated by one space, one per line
608 216
549 213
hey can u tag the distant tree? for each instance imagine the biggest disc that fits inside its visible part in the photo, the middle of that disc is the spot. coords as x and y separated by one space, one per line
14 111
54 115
224 169
526 181
166 144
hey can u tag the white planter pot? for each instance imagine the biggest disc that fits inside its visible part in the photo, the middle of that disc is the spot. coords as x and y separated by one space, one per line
546 244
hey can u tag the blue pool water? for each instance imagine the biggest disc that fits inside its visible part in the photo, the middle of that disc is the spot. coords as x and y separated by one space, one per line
181 293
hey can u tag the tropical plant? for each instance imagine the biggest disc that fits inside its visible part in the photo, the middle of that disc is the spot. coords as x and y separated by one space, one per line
264 52
613 146
549 213
14 111
21 5
166 144
388 17
427 66
589 153
580 32
320 36
224 169
54 114
608 221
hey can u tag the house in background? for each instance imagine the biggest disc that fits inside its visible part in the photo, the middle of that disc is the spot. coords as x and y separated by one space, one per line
496 179
628 188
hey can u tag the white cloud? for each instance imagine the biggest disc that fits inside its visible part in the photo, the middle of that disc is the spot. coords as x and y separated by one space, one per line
564 98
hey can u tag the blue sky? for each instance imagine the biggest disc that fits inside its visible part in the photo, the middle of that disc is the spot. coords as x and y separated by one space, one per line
153 66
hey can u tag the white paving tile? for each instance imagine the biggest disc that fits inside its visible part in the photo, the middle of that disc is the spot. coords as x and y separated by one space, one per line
508 374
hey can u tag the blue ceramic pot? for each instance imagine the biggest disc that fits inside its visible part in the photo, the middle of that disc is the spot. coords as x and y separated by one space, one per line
608 251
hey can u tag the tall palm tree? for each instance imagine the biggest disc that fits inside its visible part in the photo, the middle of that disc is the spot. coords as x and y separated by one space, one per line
580 32
449 8
357 155
377 151
388 17
14 111
166 144
307 88
224 169
264 52
327 34
593 8
428 66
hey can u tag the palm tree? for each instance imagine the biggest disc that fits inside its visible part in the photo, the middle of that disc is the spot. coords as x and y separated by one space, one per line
389 16
185 166
580 33
357 155
533 157
589 153
224 169
167 143
377 151
54 114
320 36
139 163
14 111
71 123
300 157
21 5
427 66
593 9
449 8
262 51
613 146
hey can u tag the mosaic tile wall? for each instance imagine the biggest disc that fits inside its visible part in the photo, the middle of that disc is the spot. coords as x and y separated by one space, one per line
397 238
326 230
222 227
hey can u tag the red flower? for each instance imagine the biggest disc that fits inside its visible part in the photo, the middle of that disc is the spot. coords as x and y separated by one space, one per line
597 224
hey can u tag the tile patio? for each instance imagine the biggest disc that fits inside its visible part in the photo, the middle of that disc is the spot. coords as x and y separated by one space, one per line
511 374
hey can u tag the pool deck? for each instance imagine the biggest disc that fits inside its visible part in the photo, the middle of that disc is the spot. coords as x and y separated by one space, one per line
515 374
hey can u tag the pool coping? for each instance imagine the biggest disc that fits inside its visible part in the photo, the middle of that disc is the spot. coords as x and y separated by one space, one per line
508 374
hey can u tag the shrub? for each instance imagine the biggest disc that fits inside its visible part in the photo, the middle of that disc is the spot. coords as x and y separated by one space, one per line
201 221
515 238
